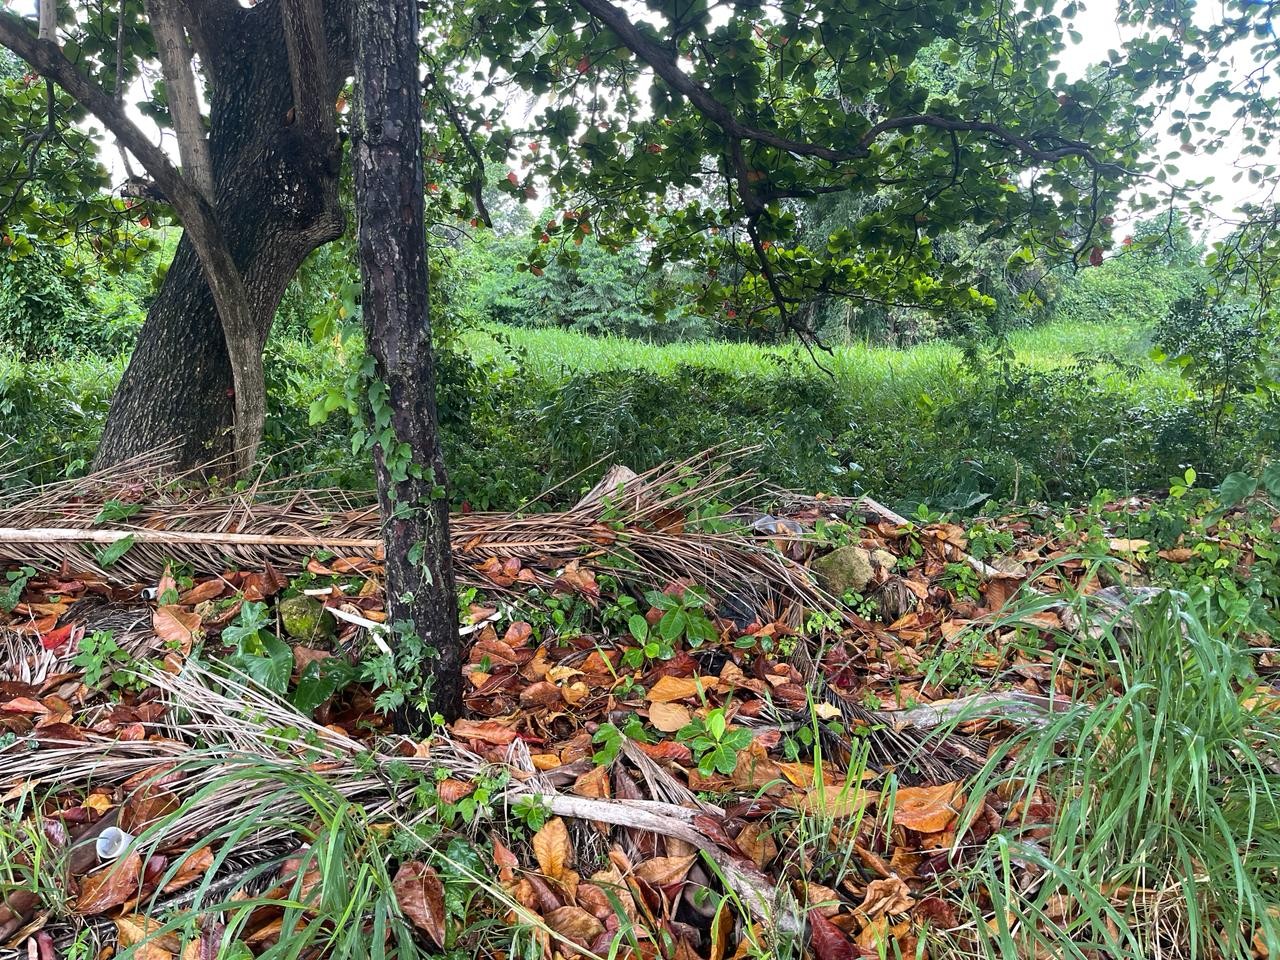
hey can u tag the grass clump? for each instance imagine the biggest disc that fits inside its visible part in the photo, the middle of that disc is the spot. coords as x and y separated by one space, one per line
1142 821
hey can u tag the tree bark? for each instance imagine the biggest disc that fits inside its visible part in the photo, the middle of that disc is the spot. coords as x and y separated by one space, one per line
387 160
276 199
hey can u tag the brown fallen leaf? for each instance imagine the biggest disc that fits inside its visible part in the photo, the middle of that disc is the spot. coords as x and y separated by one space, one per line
927 809
829 941
193 866
451 790
139 932
665 871
593 783
669 717
552 848
577 579
886 896
575 925
420 895
176 627
937 913
201 592
109 887
668 688
756 841
490 731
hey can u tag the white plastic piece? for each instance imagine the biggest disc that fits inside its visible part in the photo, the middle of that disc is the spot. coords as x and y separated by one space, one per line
112 843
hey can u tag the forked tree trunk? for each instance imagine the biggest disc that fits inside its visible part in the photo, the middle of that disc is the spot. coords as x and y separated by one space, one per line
276 198
387 158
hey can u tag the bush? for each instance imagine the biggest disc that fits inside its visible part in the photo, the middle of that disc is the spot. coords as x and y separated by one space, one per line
51 415
51 307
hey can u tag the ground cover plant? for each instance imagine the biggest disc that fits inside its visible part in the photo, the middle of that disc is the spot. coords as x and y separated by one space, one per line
687 731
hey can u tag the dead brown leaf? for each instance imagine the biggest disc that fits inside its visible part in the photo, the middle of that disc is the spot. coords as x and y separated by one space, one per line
669 717
927 809
109 887
552 848
420 895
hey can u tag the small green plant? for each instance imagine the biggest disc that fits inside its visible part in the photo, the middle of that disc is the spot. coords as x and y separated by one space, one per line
866 607
962 581
15 582
984 542
609 738
683 616
714 745
268 660
532 812
104 662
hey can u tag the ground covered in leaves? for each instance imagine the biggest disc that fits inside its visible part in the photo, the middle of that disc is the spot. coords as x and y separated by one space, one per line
803 751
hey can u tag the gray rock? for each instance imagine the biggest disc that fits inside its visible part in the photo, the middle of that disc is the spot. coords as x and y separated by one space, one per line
305 618
844 569
884 560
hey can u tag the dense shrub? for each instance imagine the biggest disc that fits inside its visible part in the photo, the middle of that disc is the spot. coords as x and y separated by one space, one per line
51 414
52 307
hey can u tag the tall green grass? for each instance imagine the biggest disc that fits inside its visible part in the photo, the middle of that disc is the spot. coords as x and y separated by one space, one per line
1149 821
553 353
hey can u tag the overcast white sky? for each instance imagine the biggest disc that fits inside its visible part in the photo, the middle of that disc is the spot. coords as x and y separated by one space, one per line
1100 32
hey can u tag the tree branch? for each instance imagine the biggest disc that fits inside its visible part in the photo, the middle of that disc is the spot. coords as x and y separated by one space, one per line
476 183
308 68
180 82
664 64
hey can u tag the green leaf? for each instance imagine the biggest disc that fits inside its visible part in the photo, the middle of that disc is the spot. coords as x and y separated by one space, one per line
113 511
1235 487
639 627
272 668
716 723
1271 479
671 626
109 555
320 681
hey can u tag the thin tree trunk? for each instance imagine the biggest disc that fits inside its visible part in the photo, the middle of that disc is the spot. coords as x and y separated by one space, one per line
387 158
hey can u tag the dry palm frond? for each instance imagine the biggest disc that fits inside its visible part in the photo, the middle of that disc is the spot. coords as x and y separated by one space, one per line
250 768
916 752
639 532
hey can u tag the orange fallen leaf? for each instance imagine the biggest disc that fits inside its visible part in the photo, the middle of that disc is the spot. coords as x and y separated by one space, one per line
669 717
552 848
490 731
668 689
109 887
575 924
927 809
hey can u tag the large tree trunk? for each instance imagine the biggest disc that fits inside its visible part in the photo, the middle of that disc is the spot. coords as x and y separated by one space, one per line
276 198
387 158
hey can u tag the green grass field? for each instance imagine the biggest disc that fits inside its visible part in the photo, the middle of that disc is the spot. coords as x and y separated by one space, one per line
556 354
